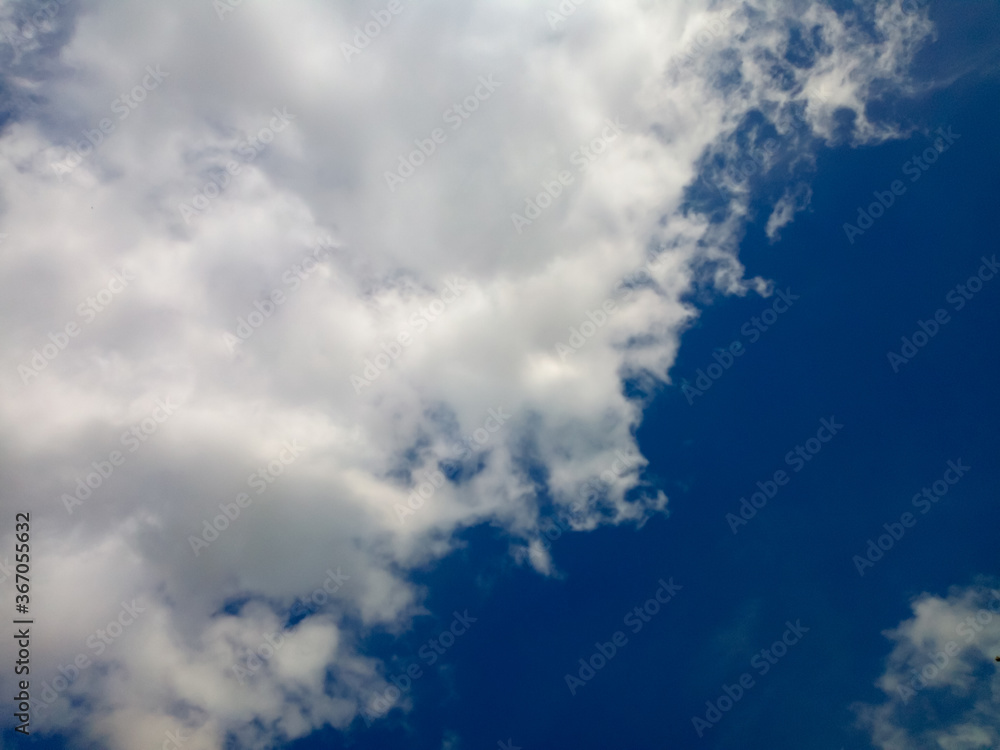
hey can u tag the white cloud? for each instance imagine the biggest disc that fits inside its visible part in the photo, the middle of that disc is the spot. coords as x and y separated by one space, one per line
941 682
791 202
320 175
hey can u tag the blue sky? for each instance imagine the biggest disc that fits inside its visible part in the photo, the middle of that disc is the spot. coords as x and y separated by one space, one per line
826 357
497 635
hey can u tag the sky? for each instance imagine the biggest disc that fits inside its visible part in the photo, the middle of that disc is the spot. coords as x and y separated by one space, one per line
499 374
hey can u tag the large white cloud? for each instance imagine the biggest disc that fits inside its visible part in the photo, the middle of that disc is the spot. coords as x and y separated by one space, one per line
658 95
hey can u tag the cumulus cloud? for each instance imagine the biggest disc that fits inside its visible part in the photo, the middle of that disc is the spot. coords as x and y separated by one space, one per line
286 291
941 682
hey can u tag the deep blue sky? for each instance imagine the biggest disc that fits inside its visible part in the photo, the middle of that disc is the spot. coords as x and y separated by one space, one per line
825 357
